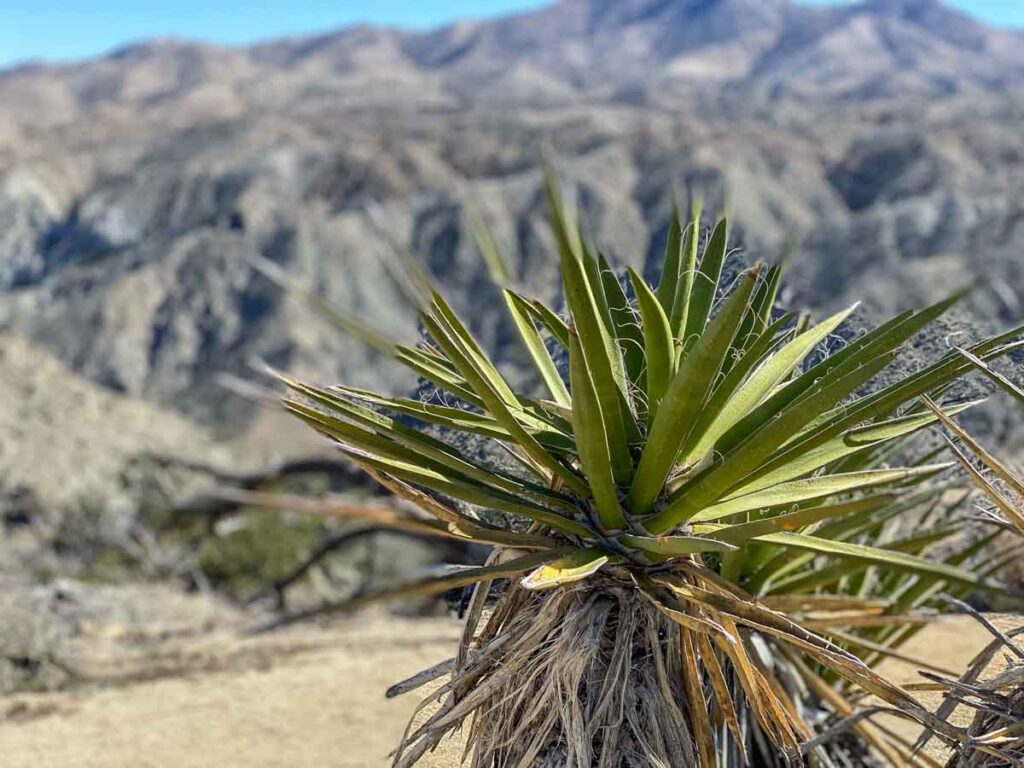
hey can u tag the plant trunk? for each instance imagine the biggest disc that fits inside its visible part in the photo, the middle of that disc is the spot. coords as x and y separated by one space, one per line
589 678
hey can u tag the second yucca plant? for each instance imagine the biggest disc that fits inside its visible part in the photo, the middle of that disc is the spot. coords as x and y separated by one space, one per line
690 527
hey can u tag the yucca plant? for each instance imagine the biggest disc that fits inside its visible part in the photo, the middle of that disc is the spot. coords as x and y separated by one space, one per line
695 528
996 734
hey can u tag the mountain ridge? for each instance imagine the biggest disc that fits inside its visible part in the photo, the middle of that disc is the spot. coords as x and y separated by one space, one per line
605 8
572 49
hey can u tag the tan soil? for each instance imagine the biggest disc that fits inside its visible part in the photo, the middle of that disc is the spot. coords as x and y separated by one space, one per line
306 697
950 643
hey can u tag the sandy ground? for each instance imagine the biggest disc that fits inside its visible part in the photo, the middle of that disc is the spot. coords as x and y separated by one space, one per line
307 697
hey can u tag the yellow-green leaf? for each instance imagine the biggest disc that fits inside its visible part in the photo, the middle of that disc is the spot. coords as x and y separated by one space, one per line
570 569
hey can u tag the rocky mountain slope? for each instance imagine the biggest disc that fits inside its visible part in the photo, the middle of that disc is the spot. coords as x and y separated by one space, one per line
51 424
137 189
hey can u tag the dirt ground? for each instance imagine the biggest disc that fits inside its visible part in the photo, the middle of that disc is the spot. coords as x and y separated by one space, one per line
305 697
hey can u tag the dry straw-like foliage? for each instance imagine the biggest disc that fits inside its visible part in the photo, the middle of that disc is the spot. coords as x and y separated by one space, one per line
996 734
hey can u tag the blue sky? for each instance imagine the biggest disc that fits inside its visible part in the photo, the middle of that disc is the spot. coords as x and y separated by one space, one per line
73 29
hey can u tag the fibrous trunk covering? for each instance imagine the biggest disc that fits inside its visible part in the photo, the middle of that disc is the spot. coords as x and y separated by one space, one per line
578 678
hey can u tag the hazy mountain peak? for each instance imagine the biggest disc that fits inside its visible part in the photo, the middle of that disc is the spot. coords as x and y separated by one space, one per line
658 6
628 12
937 19
904 6
915 10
